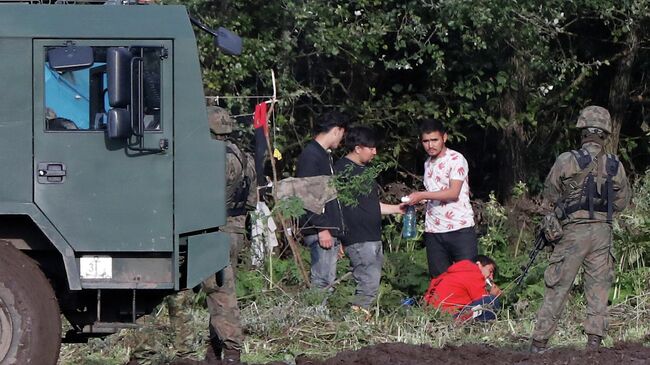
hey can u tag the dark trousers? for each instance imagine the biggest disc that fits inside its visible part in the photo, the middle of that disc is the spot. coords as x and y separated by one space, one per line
443 249
489 303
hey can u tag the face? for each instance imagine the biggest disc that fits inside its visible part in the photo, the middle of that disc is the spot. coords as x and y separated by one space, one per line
434 143
366 154
487 270
337 133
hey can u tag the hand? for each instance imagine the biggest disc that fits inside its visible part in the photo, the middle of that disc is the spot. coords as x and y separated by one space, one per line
341 252
401 208
415 198
494 290
325 239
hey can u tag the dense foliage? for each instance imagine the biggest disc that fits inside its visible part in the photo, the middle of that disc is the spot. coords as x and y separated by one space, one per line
507 77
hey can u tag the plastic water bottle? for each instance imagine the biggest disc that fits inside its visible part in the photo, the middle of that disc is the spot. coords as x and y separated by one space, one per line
409 229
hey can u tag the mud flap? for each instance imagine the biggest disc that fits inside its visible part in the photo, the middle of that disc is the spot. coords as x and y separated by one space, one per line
206 254
553 273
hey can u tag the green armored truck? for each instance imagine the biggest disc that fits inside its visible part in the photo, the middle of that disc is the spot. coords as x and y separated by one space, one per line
112 192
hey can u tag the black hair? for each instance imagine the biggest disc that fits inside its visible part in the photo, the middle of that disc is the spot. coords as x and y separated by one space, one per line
329 120
432 125
485 261
360 136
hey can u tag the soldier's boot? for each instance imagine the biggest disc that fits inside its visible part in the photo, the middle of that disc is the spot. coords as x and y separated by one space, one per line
593 342
213 355
214 352
538 347
231 356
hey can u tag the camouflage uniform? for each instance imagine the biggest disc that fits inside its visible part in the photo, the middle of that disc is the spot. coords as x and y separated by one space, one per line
586 241
225 327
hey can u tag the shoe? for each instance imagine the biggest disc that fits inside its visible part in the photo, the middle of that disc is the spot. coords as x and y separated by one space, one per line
360 310
538 347
593 342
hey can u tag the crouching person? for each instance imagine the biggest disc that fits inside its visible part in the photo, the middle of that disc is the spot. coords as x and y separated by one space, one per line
466 290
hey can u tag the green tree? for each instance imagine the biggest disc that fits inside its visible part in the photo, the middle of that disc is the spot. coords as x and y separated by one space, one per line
508 78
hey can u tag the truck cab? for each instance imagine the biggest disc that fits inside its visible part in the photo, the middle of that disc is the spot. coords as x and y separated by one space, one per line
113 192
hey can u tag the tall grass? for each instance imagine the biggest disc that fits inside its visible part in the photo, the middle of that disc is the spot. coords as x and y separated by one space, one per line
281 325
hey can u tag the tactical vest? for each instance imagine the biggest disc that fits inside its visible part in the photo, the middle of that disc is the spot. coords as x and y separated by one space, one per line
585 196
242 188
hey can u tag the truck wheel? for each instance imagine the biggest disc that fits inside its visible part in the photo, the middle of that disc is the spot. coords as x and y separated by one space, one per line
30 322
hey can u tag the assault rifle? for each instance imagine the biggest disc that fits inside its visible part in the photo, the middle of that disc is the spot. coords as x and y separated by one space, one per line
540 243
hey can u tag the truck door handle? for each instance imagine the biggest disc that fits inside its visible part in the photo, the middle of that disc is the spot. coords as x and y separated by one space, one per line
51 172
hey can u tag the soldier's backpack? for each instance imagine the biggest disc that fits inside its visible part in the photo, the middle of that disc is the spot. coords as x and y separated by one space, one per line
583 190
243 186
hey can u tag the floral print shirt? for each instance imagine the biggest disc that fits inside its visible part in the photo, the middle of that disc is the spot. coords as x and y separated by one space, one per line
447 216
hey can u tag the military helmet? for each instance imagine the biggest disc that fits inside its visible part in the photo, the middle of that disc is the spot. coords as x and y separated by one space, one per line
595 117
220 120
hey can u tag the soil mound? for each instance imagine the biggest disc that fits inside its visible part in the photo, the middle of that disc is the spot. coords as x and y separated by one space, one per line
404 354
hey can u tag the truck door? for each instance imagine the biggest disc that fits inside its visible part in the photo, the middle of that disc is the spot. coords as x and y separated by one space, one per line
98 193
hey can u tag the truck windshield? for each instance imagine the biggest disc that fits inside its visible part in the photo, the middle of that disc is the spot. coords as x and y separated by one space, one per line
78 100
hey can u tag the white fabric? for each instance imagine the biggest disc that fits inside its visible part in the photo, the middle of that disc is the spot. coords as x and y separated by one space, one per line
451 215
262 234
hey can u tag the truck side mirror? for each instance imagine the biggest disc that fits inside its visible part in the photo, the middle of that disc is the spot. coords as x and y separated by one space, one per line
118 60
70 58
228 42
119 123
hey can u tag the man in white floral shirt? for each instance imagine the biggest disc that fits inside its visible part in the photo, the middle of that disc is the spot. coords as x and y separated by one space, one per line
449 224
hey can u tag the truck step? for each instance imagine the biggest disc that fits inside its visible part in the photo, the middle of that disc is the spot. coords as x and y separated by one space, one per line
107 327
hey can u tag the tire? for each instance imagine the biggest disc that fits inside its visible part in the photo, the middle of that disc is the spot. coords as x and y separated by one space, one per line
30 321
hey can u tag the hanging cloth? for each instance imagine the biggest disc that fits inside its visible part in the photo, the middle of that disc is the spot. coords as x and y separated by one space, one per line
261 125
262 234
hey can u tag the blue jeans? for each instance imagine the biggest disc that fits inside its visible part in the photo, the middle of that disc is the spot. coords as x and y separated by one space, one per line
366 259
323 262
489 302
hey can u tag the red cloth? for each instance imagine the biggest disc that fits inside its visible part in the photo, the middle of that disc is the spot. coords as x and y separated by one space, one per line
460 285
260 118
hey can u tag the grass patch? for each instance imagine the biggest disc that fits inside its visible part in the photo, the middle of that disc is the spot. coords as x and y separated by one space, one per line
283 323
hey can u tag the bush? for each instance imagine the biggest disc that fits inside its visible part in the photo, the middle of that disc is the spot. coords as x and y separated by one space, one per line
631 242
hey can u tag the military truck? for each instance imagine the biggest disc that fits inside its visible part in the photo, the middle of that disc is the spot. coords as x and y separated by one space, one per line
113 191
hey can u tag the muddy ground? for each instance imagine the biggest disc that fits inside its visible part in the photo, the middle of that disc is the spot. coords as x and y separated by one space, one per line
402 354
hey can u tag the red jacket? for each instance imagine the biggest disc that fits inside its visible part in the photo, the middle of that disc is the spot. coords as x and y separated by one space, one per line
460 285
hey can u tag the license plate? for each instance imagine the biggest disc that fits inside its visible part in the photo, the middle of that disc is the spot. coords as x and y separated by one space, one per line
96 267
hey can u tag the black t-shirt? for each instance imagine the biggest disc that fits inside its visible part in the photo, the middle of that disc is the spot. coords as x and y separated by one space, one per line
315 161
363 221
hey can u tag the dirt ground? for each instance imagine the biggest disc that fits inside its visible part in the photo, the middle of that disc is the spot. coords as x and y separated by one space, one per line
402 354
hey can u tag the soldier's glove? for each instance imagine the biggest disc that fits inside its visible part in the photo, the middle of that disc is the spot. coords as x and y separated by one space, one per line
551 228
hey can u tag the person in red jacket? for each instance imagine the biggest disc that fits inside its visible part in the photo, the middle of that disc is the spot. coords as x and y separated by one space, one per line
465 285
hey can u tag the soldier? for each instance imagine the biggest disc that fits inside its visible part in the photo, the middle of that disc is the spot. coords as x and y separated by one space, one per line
225 329
585 187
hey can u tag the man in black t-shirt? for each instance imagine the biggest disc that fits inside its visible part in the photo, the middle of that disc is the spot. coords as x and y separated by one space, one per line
362 238
321 230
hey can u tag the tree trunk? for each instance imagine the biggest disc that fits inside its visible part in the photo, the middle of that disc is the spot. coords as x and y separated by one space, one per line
512 167
620 88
